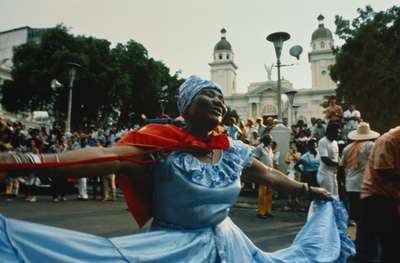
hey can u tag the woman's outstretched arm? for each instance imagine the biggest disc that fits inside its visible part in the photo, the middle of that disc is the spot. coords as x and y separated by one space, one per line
264 175
113 164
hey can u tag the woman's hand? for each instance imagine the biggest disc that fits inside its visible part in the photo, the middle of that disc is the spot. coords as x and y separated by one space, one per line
264 175
320 193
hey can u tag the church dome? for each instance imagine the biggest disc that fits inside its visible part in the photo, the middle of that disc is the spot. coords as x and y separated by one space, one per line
321 32
223 44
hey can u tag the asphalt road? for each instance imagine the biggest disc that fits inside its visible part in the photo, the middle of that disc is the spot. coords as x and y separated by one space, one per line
110 219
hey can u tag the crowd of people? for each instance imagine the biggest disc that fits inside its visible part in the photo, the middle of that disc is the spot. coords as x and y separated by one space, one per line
187 182
337 153
15 137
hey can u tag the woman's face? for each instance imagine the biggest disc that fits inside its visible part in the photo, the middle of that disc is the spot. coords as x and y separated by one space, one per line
312 145
208 108
293 147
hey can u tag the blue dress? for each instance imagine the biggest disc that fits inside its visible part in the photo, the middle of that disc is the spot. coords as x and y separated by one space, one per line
191 224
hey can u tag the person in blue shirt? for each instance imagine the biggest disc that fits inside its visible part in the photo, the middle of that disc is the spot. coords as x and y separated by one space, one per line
308 163
232 129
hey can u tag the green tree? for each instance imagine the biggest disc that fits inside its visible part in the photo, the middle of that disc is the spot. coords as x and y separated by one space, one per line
113 83
140 82
33 68
367 65
173 84
36 64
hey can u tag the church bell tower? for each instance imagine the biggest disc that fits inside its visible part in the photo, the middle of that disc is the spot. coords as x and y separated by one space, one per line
321 57
223 68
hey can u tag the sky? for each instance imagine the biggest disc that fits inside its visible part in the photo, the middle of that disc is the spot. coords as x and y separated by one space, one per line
182 33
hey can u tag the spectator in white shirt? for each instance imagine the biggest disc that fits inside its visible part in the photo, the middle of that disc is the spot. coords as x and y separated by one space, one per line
352 118
329 155
252 132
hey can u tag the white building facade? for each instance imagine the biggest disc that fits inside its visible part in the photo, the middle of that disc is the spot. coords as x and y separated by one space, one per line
260 98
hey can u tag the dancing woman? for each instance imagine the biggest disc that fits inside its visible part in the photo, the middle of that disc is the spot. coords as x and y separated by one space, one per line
186 180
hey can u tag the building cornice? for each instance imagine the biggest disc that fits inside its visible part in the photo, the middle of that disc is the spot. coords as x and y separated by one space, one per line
327 91
320 52
223 63
15 29
301 92
325 51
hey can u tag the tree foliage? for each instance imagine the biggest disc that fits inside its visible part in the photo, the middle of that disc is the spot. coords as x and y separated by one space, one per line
367 66
113 83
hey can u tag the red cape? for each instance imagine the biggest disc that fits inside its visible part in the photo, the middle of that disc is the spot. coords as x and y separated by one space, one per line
164 138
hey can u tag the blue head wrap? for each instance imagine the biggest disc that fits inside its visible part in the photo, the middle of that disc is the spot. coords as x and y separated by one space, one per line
190 88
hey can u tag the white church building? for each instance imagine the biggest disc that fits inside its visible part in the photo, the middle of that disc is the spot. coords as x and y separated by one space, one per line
260 98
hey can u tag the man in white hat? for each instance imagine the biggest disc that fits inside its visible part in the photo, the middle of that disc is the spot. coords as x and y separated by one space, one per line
354 160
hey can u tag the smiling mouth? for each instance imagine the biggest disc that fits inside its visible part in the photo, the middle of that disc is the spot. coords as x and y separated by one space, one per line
216 111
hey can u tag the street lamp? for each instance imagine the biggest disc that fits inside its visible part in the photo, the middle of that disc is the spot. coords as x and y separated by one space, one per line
72 69
277 39
162 104
295 109
291 94
163 99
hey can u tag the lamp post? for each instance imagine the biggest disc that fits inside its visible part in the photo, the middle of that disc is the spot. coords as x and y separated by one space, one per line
162 104
72 69
295 109
277 39
164 98
291 94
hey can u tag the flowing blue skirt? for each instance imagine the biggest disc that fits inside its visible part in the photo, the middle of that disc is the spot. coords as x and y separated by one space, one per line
322 239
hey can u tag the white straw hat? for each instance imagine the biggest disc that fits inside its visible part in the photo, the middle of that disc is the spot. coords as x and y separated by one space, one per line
362 133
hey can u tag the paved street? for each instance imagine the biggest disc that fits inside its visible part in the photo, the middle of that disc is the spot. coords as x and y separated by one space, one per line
111 219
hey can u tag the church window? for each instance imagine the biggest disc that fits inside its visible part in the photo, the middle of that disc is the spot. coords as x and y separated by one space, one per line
323 72
227 56
322 44
220 56
254 109
268 110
